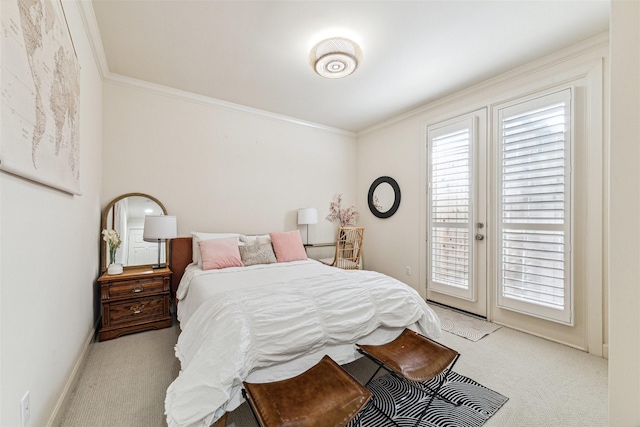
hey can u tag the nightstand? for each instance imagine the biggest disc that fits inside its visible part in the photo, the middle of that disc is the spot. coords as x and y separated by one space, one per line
134 301
318 245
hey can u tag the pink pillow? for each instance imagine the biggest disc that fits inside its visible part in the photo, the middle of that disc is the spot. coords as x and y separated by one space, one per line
220 253
288 246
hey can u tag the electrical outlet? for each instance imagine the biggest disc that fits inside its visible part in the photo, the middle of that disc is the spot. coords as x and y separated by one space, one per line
25 409
407 271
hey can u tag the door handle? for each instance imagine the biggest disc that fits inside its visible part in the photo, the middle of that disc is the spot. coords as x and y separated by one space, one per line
479 236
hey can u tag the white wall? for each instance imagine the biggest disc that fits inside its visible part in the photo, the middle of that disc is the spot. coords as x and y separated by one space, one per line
624 223
49 264
391 244
398 149
222 169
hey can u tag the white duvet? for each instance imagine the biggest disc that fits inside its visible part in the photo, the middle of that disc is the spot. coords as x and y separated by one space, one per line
270 322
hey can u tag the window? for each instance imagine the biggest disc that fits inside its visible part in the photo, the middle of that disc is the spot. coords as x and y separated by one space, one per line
534 206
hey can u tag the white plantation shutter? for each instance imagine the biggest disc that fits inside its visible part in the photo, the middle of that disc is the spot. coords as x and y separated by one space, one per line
450 216
534 206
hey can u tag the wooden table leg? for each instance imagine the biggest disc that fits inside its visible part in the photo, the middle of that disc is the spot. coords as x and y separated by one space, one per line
222 422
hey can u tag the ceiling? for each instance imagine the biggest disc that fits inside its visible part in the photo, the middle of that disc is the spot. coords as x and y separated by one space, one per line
139 207
255 53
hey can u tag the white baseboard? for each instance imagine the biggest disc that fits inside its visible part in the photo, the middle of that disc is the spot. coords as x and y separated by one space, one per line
58 412
577 347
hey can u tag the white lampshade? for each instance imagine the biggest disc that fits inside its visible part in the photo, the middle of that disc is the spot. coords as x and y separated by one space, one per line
159 227
307 216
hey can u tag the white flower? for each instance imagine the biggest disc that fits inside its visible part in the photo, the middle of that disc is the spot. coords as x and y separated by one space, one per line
113 240
111 237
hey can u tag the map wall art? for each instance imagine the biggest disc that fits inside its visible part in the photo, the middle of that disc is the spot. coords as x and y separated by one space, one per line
40 93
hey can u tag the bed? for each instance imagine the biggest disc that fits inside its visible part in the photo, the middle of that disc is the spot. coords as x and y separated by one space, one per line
269 321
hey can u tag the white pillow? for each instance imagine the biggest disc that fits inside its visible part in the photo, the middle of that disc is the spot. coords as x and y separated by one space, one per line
198 236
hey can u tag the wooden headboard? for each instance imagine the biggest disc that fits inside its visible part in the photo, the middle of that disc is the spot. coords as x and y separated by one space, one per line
180 256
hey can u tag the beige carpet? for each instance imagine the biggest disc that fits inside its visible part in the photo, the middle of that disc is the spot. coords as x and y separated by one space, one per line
463 325
124 381
548 384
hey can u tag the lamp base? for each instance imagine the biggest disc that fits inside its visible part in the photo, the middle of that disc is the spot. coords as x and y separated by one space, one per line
158 265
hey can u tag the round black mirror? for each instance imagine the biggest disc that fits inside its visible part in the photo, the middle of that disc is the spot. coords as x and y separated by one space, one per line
384 197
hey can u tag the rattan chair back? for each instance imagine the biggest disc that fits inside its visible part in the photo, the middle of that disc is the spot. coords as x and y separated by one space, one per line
349 248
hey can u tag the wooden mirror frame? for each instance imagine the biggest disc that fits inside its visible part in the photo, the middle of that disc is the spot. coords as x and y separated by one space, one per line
396 201
103 225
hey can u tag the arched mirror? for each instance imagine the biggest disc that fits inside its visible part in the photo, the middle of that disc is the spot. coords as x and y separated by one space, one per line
125 215
384 197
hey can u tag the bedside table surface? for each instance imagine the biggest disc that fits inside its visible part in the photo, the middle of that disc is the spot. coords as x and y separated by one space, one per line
138 272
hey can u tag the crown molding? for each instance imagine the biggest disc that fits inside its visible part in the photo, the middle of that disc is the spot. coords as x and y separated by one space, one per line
552 60
88 17
182 95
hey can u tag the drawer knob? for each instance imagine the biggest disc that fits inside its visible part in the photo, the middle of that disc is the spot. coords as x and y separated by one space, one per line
137 288
137 309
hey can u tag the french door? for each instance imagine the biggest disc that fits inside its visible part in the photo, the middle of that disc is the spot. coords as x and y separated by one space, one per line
523 242
534 209
457 213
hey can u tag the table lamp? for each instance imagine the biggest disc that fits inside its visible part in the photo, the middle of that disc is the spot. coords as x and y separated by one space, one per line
307 216
159 228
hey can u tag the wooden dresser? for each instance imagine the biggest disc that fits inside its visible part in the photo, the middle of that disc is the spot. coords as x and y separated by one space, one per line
136 300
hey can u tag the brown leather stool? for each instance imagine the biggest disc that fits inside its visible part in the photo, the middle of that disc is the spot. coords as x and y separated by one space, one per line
323 396
415 358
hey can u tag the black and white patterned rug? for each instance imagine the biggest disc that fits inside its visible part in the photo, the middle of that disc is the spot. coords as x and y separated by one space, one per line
404 403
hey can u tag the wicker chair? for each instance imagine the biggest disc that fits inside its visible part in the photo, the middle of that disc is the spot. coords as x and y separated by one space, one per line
348 249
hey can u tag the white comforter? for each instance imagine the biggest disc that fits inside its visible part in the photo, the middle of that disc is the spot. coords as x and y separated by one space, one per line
265 323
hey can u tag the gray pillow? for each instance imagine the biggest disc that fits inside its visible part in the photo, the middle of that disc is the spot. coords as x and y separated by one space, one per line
261 253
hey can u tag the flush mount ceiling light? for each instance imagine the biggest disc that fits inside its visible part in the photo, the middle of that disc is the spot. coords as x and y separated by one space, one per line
335 57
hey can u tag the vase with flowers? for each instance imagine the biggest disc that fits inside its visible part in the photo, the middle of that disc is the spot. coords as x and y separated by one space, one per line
113 241
345 217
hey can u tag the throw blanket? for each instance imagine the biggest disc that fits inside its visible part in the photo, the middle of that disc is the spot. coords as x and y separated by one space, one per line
236 332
